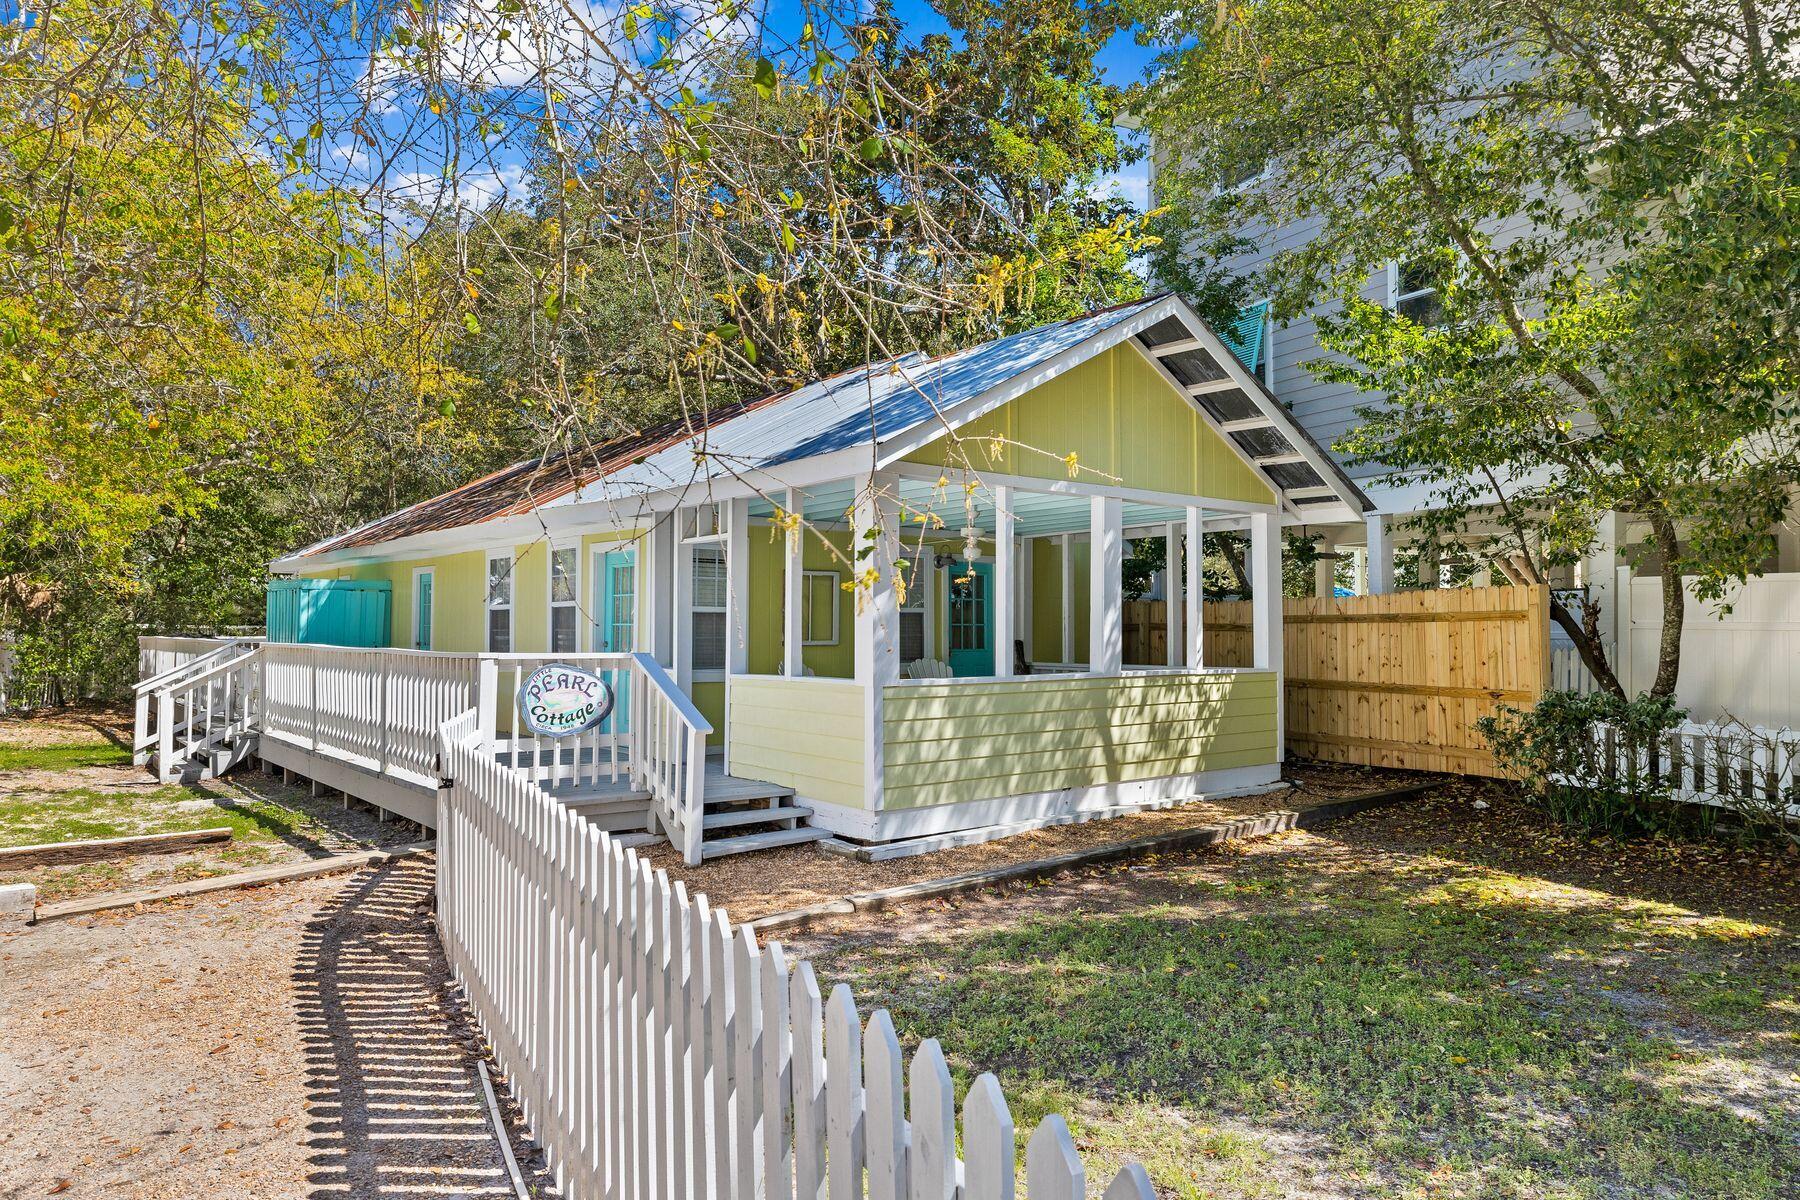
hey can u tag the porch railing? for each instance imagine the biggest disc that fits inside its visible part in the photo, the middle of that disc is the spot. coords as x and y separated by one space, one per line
600 756
380 709
658 1051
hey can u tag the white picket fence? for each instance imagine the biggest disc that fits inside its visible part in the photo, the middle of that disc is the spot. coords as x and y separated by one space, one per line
1708 764
1569 674
658 1051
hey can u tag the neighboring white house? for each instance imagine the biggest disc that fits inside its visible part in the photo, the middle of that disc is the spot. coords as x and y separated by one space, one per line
1760 650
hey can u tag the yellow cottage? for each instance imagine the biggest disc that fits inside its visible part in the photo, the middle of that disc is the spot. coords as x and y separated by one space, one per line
935 653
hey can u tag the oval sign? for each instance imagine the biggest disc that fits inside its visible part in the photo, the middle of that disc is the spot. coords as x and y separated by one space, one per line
557 700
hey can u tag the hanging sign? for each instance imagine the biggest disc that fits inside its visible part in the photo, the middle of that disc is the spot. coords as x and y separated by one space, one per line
557 700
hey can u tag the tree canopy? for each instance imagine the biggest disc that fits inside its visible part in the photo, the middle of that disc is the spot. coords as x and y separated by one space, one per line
270 270
1603 197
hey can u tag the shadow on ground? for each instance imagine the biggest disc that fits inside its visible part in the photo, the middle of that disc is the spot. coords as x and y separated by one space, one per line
394 1101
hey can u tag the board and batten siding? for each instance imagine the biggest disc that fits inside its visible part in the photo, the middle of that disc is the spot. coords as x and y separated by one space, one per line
1123 422
804 733
459 582
950 743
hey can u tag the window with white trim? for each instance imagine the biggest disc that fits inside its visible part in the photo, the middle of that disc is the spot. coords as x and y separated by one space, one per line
499 603
913 642
1413 291
708 627
819 608
564 617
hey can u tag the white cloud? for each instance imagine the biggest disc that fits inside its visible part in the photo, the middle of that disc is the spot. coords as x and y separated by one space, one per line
1131 184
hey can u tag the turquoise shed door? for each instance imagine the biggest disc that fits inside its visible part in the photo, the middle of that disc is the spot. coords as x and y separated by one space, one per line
330 612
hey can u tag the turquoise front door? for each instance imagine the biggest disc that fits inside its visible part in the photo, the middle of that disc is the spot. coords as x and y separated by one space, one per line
972 619
615 627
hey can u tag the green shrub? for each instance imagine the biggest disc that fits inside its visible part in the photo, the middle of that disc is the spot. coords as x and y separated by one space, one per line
1580 758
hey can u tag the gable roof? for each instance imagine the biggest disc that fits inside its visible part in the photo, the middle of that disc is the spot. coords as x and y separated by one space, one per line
873 406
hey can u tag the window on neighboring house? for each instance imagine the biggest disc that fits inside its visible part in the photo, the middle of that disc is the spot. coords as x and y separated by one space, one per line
819 608
563 622
424 581
912 615
1239 169
500 604
1413 292
708 625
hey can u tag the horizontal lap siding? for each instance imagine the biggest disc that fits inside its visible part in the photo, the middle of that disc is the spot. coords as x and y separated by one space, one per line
961 742
805 734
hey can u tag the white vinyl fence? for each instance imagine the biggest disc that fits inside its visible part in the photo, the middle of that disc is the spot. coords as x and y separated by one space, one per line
659 1052
1740 658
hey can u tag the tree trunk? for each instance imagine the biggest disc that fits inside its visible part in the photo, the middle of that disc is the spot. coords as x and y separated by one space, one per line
1586 636
1674 613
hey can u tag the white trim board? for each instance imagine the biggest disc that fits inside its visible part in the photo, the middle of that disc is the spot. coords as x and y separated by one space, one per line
896 824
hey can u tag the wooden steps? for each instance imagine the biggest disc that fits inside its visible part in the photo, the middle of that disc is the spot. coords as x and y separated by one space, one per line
754 816
744 843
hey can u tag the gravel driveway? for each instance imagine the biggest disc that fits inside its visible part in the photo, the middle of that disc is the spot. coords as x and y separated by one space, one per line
294 1041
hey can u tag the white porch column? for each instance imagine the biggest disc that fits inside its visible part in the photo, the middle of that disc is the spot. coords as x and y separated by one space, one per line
658 588
1174 594
1600 574
737 587
1265 586
1068 598
1106 585
1381 555
681 605
1004 600
1196 590
793 637
1325 576
877 538
1027 580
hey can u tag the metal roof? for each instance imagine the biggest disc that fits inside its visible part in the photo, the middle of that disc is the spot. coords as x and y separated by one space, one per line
854 410
868 406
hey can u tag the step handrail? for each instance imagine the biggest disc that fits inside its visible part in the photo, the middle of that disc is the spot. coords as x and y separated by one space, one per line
656 673
668 751
186 688
173 673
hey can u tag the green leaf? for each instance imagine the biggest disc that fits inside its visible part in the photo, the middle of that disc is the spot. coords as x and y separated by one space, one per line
471 323
764 79
749 349
787 238
553 305
870 149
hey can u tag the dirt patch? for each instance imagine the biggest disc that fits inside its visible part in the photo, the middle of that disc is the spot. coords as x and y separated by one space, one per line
271 822
95 723
289 1042
773 881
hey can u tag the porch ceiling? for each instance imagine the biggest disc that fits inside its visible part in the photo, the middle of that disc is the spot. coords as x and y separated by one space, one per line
1035 514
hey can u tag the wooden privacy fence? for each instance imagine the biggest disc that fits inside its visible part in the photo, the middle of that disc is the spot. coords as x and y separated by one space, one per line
1399 680
657 1051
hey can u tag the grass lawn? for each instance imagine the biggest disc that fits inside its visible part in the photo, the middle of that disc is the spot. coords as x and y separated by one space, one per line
1422 1002
62 756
